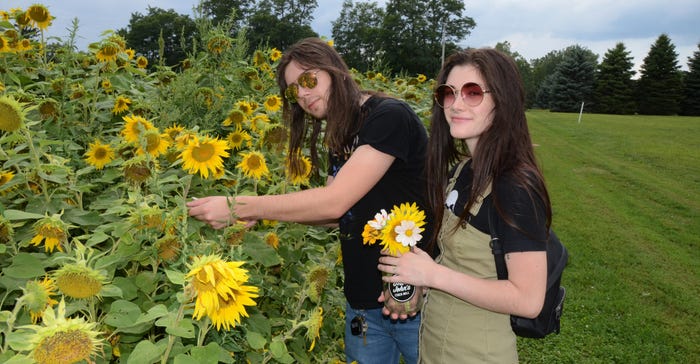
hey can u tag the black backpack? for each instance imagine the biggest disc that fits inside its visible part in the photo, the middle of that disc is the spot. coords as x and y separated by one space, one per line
548 321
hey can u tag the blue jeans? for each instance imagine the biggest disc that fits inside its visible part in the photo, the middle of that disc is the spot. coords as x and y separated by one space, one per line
386 340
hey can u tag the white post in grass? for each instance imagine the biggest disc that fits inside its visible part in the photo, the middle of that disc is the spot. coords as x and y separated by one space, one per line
580 113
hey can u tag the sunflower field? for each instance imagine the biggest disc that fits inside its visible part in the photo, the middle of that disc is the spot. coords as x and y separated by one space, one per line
99 261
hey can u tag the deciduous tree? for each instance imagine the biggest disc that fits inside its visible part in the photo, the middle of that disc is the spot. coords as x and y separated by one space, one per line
356 33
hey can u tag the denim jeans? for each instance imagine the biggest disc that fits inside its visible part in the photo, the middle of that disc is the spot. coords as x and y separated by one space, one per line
386 339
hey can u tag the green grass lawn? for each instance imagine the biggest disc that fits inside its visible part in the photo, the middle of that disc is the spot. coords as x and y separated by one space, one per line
625 192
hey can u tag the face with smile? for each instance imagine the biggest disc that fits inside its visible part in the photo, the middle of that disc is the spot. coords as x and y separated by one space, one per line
312 99
467 120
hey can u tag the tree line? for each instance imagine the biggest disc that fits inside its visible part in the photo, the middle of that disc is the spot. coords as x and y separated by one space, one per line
413 36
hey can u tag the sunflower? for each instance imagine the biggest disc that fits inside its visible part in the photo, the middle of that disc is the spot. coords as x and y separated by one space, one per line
234 117
421 78
403 228
147 217
37 297
24 45
48 108
316 281
220 290
154 143
275 137
275 54
121 104
141 62
218 44
246 107
204 156
108 52
135 125
237 137
173 132
12 114
6 230
168 247
52 231
253 165
302 176
138 169
63 340
273 103
272 239
313 326
98 154
6 177
184 138
39 16
130 53
5 46
78 280
259 122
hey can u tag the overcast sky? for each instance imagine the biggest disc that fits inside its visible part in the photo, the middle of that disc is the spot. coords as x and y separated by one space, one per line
533 28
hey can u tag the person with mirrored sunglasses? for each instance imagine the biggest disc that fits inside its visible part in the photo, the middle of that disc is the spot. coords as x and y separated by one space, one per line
482 163
377 150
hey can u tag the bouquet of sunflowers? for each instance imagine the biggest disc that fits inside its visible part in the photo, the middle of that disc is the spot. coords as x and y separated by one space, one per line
397 231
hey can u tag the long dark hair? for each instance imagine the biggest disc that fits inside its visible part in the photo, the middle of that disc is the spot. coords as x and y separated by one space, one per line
504 148
342 116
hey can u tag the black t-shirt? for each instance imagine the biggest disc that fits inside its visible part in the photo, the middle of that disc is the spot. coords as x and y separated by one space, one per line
528 216
393 128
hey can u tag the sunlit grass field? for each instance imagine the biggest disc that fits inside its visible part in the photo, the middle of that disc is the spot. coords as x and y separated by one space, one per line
626 199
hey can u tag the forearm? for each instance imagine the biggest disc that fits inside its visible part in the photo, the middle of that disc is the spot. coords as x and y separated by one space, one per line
314 206
490 294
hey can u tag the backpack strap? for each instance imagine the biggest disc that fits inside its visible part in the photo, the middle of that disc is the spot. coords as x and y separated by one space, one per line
496 246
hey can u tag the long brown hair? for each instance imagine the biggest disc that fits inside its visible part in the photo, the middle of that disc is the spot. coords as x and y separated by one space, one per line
342 115
504 148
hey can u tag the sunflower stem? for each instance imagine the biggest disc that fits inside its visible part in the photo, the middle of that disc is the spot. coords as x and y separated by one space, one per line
37 165
171 338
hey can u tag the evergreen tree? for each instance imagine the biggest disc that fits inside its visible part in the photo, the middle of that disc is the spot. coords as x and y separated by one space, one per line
690 104
355 34
614 89
659 87
542 72
573 81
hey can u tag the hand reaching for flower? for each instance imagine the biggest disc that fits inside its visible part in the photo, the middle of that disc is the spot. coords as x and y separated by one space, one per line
217 211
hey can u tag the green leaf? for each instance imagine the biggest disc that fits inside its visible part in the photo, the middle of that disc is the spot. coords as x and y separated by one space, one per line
153 313
19 359
175 276
279 351
122 314
146 281
25 266
20 340
261 252
127 286
111 290
255 340
184 328
211 353
145 352
20 215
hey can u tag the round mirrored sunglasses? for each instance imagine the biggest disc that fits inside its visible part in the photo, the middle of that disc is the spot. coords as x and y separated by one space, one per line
307 80
472 94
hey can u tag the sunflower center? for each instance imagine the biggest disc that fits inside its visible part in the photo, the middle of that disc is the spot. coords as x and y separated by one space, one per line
204 152
78 285
64 347
100 153
52 232
152 141
38 14
10 117
254 162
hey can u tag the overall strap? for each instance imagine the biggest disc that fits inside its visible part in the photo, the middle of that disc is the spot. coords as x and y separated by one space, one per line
497 246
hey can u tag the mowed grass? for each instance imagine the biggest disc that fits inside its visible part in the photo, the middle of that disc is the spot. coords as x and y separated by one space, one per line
626 202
